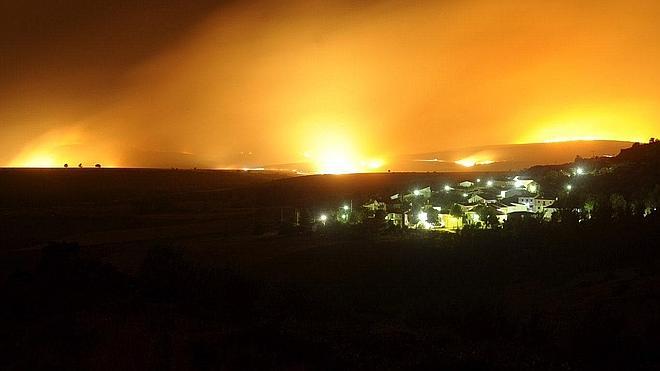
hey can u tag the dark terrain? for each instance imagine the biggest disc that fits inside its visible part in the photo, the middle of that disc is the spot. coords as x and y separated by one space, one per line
173 269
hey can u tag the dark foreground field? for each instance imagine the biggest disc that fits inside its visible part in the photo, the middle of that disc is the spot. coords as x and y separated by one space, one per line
170 275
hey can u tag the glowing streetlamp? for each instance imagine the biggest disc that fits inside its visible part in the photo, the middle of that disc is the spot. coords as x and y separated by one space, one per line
489 183
323 218
569 187
447 188
346 207
465 194
478 180
579 171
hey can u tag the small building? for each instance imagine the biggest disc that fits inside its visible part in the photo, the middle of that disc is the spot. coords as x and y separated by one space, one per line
511 208
527 184
449 221
541 203
482 198
513 192
397 219
476 199
527 201
466 184
424 193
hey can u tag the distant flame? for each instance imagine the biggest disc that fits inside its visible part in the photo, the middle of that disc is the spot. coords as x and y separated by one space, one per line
470 162
335 153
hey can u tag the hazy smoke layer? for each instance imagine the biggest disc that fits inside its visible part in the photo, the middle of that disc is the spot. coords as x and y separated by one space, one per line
234 84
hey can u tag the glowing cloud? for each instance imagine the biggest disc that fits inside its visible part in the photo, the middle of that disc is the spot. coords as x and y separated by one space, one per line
614 122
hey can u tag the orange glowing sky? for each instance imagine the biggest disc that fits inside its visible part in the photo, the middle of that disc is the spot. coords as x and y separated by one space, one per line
344 84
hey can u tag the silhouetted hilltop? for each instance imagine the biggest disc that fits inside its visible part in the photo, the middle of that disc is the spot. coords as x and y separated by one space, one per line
633 175
641 153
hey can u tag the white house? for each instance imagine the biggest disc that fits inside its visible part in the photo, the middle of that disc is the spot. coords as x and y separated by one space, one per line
466 184
476 199
398 219
421 192
511 208
540 204
528 184
527 201
483 198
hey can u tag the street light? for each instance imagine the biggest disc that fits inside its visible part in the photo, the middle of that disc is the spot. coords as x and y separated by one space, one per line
416 192
489 183
323 218
345 207
447 188
569 187
579 171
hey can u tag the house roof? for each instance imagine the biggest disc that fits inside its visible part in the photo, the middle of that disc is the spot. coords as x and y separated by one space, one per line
526 193
489 195
510 199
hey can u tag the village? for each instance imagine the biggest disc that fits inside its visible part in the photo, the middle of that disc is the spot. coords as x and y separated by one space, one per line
480 203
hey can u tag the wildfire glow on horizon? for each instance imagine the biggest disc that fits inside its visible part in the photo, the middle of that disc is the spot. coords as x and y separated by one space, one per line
343 86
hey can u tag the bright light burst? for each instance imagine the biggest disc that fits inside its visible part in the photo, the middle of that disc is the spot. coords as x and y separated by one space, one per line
38 160
336 154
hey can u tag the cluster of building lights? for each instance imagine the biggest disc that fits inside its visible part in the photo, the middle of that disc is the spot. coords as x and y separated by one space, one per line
323 218
578 171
